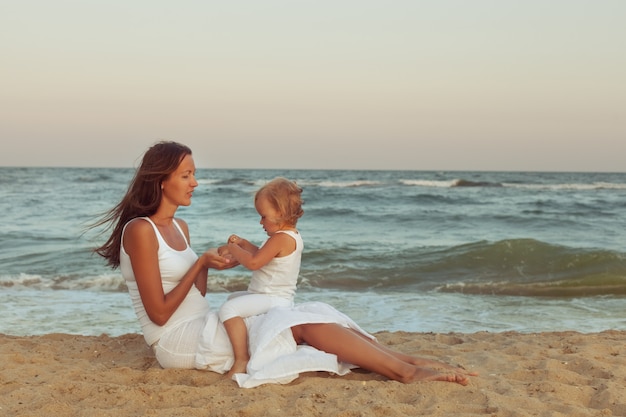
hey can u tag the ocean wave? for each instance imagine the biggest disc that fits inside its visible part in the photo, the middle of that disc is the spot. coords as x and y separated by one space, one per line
468 183
457 182
528 267
572 186
96 177
208 181
507 267
461 182
112 282
520 267
588 286
326 183
429 183
347 184
234 181
98 283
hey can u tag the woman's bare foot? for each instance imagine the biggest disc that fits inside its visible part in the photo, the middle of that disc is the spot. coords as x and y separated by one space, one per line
441 366
239 367
425 374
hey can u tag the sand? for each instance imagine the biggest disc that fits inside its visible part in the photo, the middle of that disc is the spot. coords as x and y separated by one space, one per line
544 374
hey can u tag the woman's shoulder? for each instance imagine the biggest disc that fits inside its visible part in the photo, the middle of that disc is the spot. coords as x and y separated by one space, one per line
138 233
181 222
138 225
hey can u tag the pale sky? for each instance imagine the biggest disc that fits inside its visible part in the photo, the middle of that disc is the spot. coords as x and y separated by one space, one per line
344 84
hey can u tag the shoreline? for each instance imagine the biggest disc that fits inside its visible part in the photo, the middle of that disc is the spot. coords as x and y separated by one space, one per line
550 373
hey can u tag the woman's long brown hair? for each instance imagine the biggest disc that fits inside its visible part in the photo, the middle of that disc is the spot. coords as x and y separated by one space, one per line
143 195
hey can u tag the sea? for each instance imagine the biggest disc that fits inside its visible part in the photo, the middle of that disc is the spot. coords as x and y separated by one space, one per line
417 251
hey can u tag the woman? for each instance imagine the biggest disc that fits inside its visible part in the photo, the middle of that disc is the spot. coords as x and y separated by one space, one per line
167 282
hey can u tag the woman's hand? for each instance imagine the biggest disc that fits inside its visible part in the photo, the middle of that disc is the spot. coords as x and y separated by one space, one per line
224 252
218 259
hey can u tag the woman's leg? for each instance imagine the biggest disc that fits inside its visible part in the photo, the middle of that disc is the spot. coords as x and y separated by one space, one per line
423 362
351 347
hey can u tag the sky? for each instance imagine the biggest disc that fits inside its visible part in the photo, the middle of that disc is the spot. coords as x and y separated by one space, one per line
528 85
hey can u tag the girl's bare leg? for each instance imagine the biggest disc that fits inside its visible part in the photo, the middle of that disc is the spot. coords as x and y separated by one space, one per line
350 347
238 335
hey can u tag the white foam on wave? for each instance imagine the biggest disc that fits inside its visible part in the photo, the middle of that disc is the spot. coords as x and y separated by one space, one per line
572 186
528 186
28 311
430 183
348 184
104 282
207 181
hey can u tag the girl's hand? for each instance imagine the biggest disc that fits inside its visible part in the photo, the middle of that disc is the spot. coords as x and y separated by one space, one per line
224 252
234 239
213 259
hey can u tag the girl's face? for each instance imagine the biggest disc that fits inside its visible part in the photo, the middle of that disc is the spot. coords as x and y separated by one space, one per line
179 185
270 217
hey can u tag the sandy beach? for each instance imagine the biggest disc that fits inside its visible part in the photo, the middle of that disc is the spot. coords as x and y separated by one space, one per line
543 374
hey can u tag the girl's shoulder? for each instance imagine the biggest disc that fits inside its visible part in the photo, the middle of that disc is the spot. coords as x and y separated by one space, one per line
288 231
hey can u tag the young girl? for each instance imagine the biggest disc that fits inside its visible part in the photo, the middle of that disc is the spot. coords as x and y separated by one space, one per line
275 264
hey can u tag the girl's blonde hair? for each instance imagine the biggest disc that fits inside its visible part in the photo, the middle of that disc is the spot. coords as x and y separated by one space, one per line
286 198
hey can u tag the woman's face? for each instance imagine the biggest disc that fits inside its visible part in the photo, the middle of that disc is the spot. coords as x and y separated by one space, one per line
179 185
270 217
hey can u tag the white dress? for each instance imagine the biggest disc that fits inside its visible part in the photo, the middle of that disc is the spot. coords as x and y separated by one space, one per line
274 355
199 340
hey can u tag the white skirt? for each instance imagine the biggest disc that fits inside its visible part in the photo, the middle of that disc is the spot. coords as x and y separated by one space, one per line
274 355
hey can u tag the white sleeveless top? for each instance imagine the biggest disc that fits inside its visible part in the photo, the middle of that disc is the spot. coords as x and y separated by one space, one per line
279 276
174 265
